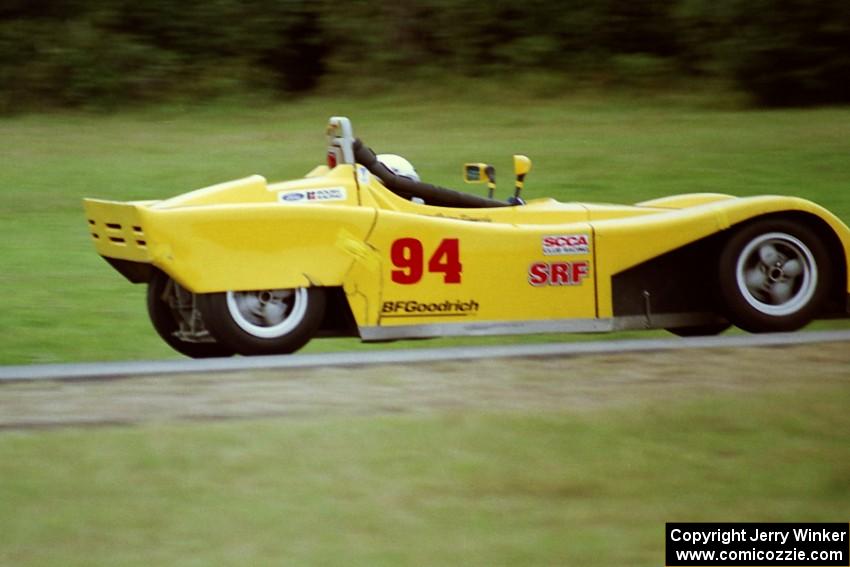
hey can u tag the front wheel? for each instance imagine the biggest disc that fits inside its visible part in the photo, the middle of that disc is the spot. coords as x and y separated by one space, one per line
277 321
774 276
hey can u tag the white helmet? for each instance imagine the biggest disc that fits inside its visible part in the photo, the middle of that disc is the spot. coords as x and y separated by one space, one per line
399 166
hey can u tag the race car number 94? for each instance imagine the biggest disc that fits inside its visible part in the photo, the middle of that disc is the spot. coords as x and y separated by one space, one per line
408 256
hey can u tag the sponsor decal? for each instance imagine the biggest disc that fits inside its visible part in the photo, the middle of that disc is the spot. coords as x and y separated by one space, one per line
558 273
413 308
293 196
313 195
564 244
363 175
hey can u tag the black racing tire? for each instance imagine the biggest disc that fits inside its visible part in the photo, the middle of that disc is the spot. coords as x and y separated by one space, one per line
774 276
265 321
708 330
164 321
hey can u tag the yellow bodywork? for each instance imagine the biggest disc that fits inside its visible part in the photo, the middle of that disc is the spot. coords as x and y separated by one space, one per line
411 269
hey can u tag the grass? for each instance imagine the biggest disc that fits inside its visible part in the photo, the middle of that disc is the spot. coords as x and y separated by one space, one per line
63 303
425 488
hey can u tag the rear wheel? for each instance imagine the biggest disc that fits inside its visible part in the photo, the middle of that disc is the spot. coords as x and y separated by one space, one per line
172 313
774 276
275 321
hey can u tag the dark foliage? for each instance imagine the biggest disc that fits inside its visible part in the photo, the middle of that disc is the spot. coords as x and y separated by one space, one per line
116 52
794 52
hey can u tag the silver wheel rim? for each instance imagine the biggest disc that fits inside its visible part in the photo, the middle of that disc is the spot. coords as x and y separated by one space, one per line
268 314
777 274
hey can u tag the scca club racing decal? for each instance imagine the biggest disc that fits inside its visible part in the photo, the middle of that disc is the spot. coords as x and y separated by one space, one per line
313 195
564 244
558 273
413 308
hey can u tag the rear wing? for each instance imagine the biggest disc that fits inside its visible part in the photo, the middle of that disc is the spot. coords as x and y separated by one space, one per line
118 232
117 229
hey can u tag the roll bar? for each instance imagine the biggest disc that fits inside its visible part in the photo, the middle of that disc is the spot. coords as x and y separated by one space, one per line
408 188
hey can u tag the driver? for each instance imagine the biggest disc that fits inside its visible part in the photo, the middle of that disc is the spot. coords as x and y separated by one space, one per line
399 166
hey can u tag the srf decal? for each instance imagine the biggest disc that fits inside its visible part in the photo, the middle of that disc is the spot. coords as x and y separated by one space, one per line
558 273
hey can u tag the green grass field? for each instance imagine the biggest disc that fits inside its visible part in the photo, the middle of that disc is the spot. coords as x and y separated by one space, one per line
63 303
432 486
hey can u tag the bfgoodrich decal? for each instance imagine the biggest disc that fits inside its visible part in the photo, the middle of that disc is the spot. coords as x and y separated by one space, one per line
413 308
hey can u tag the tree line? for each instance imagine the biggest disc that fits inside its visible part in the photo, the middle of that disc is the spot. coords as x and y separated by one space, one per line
67 53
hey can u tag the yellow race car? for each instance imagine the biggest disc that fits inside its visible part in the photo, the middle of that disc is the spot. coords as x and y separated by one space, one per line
362 248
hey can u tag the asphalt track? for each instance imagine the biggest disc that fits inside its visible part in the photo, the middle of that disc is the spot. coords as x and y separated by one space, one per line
367 357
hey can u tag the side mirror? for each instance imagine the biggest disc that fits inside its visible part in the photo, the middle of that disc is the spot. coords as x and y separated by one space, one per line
479 173
522 165
474 172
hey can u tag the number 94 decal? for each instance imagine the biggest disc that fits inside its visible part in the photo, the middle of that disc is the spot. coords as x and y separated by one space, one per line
408 257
